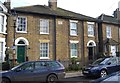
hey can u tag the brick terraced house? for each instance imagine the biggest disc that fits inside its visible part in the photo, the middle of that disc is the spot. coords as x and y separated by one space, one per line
109 35
50 32
3 27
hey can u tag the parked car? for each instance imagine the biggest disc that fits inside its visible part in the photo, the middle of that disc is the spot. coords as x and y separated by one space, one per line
112 78
102 67
35 71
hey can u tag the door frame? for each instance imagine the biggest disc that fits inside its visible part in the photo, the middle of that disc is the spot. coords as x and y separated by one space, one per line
26 44
91 44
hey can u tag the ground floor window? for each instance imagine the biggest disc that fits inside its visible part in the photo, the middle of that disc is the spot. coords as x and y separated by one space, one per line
1 51
73 50
44 50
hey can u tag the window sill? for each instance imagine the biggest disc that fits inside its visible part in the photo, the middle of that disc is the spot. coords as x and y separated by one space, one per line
21 32
91 36
44 33
3 33
73 35
73 56
44 58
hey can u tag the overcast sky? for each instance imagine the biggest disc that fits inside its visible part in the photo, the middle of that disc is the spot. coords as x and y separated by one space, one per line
92 8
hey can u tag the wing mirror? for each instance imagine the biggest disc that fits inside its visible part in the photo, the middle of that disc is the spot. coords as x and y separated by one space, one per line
18 70
109 63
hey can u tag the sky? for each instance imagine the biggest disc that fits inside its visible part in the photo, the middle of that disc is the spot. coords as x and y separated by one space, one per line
92 8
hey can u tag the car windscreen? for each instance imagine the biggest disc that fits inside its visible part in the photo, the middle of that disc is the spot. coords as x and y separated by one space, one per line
100 61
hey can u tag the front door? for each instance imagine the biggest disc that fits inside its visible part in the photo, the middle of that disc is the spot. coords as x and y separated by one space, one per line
20 54
113 50
90 54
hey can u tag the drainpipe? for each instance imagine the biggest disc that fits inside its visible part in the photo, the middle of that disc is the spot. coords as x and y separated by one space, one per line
83 57
54 39
118 39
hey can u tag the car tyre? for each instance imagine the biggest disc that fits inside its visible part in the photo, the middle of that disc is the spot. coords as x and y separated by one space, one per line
103 73
5 80
52 78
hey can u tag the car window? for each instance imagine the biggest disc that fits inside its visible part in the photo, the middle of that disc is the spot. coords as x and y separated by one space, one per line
100 61
39 65
53 64
27 66
119 60
112 60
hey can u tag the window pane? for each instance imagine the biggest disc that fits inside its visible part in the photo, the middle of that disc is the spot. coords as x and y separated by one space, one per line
90 29
22 25
108 32
73 49
44 50
1 23
39 65
44 26
28 66
1 51
73 28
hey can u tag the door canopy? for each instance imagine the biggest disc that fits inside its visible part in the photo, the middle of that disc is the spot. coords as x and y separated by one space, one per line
21 39
91 43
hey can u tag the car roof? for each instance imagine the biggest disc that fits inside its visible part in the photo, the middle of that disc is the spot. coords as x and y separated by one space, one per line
41 61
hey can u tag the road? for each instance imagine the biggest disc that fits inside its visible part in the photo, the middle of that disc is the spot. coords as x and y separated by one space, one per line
77 79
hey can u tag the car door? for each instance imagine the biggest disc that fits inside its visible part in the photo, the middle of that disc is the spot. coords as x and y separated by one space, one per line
112 65
24 72
118 63
41 71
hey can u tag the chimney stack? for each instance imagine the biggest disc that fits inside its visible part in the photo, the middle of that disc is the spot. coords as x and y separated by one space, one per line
119 5
52 4
7 3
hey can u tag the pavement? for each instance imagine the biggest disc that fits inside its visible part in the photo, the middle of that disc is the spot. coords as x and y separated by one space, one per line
73 74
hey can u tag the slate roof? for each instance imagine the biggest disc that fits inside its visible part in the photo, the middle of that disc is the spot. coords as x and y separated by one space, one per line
45 10
108 19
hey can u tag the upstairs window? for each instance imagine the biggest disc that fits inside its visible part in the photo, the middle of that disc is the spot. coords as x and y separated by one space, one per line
90 29
1 23
108 32
44 26
73 28
21 24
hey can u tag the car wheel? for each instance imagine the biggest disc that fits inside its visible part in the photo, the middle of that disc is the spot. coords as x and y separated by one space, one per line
5 80
52 78
103 73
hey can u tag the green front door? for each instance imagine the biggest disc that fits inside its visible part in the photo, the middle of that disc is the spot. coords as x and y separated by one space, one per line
20 54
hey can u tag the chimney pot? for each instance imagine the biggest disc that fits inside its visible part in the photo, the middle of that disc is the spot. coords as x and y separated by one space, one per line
7 3
119 5
53 4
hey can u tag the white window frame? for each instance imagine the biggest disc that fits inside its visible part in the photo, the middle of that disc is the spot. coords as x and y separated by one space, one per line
119 32
75 50
3 24
73 28
41 57
21 24
2 40
90 29
108 32
44 26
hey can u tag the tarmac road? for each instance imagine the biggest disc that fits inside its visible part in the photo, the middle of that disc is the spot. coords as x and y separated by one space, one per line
76 77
